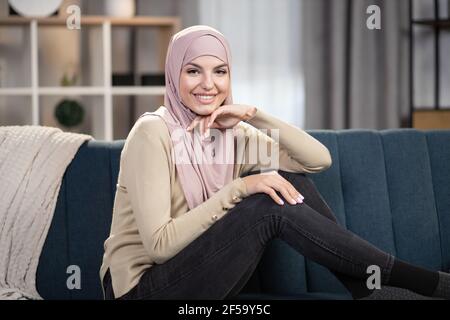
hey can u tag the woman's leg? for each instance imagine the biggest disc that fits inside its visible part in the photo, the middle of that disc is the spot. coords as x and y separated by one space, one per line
212 265
425 281
314 199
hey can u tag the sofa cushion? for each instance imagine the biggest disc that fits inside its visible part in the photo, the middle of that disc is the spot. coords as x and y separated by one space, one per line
80 226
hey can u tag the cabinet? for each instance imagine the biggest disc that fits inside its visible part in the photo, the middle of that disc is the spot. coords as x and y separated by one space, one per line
104 88
437 115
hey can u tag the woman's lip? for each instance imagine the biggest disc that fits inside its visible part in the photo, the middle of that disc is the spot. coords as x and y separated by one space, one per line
204 101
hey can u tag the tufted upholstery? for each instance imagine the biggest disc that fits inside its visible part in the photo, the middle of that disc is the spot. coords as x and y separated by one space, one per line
391 187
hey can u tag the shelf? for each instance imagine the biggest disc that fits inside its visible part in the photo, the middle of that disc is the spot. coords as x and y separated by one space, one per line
441 108
424 116
432 23
149 90
102 93
431 119
96 20
73 91
16 91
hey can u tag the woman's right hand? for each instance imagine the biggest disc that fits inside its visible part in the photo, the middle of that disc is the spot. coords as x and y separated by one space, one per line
270 182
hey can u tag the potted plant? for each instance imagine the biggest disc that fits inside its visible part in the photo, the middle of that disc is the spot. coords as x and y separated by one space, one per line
69 112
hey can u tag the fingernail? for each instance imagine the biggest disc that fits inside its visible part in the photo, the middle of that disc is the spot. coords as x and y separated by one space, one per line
292 201
299 200
281 202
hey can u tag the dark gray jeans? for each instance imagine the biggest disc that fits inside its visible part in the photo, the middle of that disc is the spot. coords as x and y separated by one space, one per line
218 264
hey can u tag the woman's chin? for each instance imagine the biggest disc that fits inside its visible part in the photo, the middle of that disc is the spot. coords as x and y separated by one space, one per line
205 110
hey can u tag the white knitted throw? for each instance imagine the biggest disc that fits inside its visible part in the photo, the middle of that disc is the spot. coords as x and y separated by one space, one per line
33 160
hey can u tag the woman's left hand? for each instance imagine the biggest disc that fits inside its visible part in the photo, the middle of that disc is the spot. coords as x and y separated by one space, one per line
226 116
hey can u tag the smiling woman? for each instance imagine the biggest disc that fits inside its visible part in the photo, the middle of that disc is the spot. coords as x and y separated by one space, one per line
204 84
196 230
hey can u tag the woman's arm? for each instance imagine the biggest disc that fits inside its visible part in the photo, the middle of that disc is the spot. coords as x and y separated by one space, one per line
298 151
147 181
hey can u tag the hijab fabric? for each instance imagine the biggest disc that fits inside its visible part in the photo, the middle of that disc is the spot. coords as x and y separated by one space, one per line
200 178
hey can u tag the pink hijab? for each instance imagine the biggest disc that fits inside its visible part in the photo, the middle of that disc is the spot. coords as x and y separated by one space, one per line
200 178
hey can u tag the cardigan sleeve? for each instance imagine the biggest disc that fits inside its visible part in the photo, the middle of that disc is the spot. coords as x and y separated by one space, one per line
147 181
295 150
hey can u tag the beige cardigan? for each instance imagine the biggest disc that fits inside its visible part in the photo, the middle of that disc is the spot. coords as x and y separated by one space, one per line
149 227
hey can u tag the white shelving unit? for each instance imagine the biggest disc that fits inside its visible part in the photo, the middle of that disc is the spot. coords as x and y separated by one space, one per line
167 25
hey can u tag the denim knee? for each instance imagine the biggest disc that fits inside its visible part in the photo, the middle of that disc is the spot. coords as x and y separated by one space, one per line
263 206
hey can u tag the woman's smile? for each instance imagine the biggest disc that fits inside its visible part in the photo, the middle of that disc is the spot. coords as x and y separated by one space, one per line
205 98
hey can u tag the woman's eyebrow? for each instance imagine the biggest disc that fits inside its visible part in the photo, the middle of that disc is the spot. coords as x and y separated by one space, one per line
196 65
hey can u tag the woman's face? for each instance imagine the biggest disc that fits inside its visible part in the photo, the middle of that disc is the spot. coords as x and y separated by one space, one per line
204 84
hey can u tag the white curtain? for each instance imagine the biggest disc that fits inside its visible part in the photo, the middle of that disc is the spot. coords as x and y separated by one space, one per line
264 36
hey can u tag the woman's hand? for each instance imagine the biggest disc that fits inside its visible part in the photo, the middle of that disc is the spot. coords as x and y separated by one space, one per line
270 182
226 116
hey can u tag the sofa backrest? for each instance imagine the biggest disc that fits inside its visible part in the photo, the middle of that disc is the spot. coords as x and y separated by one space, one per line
391 187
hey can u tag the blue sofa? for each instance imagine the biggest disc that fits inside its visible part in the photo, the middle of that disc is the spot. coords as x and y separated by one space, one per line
392 187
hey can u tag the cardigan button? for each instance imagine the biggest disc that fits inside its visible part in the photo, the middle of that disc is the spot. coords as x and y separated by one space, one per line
214 217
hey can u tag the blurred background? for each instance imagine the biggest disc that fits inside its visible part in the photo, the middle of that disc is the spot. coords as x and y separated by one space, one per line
318 64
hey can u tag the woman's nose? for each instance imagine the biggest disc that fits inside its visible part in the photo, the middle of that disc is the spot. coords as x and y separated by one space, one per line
207 82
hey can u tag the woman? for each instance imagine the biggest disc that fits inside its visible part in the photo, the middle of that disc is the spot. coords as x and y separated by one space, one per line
191 222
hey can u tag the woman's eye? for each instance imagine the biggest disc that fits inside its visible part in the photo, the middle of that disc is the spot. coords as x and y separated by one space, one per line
195 71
